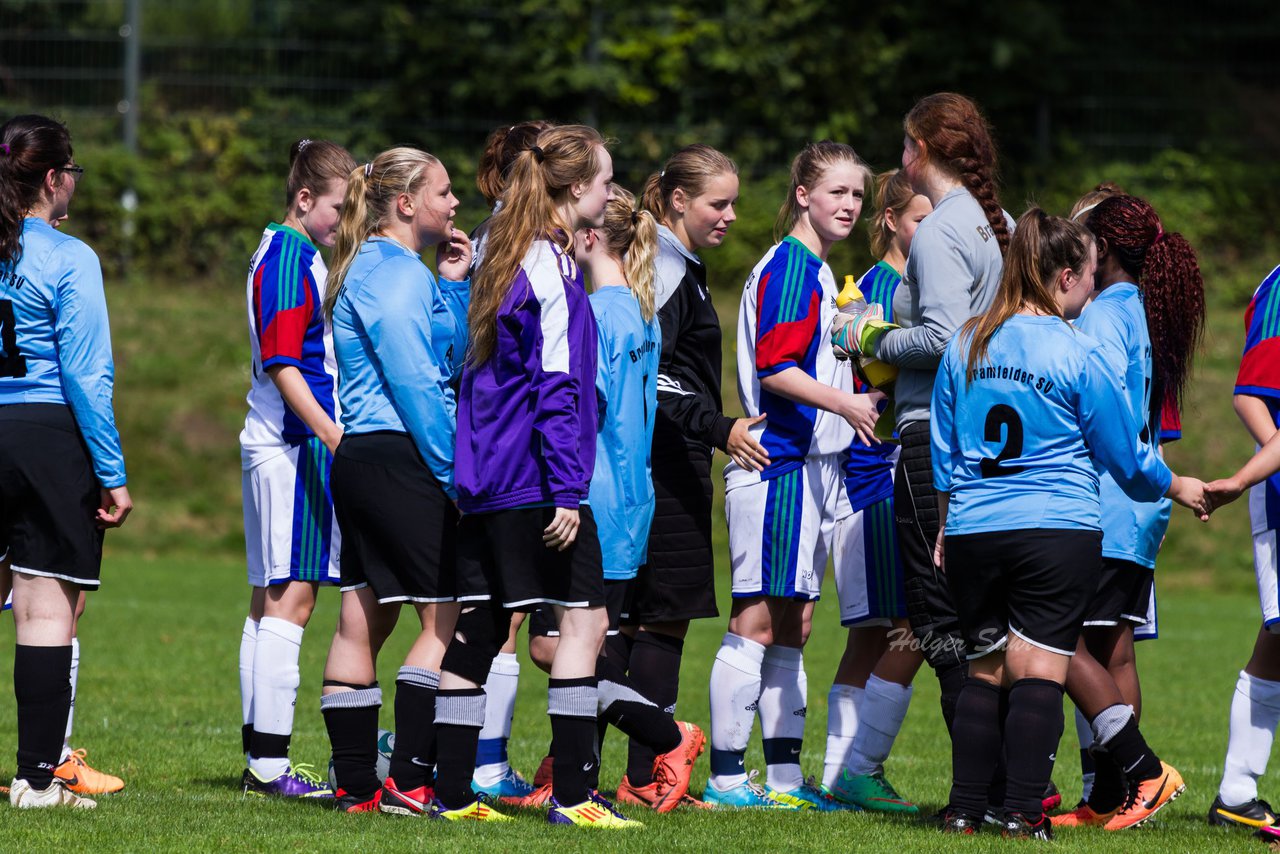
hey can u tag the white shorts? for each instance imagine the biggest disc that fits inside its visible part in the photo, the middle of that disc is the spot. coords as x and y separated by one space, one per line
780 530
290 533
868 567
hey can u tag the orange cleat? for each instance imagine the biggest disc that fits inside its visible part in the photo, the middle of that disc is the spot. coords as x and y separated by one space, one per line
672 770
77 776
1147 797
1082 816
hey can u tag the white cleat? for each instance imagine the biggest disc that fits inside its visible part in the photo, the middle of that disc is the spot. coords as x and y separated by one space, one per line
22 796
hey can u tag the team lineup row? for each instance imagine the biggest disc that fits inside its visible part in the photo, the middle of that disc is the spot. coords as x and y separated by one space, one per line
431 438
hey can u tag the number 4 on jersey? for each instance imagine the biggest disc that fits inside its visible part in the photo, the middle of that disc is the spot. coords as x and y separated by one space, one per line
12 362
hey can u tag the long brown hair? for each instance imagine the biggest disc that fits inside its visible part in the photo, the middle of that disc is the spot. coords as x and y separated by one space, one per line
372 190
631 236
29 147
1041 247
807 170
690 169
540 180
1164 266
893 193
315 164
957 140
500 151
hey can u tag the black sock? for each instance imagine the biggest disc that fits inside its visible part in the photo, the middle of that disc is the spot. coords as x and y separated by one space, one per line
42 687
655 673
246 732
1109 787
602 727
975 746
624 707
269 745
1000 776
571 705
414 753
950 683
617 648
351 717
1033 729
1131 752
459 719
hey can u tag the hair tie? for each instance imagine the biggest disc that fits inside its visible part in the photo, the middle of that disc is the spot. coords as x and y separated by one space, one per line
635 217
368 170
662 174
1159 234
303 143
537 153
4 148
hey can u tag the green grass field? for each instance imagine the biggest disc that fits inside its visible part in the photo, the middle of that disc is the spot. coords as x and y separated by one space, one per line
158 704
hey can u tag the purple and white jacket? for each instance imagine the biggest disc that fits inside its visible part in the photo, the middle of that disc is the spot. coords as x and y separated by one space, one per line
527 417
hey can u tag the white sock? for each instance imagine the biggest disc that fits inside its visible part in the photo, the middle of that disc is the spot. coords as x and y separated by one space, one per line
783 701
1255 711
735 692
71 713
1084 733
879 720
500 706
842 725
248 645
275 688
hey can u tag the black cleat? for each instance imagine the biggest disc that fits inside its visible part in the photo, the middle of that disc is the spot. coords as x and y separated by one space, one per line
954 821
1254 814
1016 826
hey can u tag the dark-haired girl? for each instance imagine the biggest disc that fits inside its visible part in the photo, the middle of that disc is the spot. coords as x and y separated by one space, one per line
1147 315
1023 408
62 476
286 451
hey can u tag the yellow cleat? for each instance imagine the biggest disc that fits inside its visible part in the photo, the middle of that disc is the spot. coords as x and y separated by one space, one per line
595 811
477 810
77 776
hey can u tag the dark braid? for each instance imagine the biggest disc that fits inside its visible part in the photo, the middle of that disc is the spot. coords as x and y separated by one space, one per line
32 145
957 139
1164 266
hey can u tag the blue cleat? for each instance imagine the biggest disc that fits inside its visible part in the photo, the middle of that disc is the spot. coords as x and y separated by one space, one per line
746 795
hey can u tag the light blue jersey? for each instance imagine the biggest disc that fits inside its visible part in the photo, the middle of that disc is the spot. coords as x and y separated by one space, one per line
621 495
1015 444
400 337
55 341
1131 530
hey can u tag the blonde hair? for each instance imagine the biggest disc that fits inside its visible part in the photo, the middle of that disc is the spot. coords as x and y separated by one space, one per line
893 193
539 181
807 170
632 236
1090 200
1041 246
372 190
500 151
690 169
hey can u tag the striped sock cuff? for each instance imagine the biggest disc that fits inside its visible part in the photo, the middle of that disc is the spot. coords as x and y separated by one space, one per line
360 699
420 676
572 698
461 708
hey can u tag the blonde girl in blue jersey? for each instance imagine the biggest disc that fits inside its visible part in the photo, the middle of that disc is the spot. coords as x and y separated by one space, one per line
872 687
399 333
781 518
62 476
1023 407
287 446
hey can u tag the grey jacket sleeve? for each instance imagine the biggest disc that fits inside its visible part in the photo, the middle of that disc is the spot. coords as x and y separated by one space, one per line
940 277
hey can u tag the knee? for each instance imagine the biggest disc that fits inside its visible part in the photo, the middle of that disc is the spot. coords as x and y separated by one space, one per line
476 641
542 650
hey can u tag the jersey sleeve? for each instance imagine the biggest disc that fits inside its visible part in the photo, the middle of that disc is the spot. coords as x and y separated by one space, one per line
943 281
788 308
284 305
1170 421
943 447
457 301
607 363
1111 432
1259 372
696 416
1108 328
397 318
83 335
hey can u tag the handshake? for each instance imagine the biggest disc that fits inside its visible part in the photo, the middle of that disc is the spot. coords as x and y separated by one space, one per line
854 335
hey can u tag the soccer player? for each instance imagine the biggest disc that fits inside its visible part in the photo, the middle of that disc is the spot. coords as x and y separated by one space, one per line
527 537
781 517
286 451
1147 314
951 275
62 475
693 199
399 334
872 687
1255 703
1023 407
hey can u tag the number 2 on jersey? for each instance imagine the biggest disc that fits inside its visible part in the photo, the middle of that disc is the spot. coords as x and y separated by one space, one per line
1003 422
12 362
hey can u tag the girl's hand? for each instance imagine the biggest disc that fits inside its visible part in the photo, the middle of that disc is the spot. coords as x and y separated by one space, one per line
743 449
1190 492
562 531
861 412
1222 492
940 552
114 505
453 256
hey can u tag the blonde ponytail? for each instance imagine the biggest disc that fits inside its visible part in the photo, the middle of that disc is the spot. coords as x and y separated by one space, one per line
632 237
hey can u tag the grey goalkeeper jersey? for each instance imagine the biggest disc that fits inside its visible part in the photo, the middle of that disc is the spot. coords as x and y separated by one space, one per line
952 274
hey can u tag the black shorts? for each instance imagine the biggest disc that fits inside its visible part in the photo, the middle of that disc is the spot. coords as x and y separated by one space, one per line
617 596
1034 584
49 495
678 580
501 558
399 528
931 608
1123 594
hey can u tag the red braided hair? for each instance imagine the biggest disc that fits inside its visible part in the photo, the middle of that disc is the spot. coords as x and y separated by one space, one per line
1163 265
